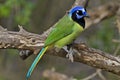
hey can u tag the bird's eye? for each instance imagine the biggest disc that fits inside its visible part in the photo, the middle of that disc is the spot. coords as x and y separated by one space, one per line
79 12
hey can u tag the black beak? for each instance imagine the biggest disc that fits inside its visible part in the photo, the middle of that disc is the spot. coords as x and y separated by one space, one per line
87 16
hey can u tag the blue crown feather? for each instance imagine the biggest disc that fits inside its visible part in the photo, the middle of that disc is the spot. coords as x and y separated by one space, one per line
77 8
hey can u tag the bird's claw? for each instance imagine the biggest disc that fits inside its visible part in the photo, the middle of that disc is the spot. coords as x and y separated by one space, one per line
69 54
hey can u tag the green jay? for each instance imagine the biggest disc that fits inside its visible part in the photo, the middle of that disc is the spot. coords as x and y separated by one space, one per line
64 33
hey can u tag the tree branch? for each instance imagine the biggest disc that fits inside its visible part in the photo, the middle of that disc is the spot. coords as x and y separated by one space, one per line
52 75
90 56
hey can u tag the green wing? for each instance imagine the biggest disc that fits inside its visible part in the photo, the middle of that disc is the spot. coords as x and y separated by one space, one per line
63 28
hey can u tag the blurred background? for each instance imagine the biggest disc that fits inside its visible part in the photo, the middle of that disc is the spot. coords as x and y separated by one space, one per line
37 16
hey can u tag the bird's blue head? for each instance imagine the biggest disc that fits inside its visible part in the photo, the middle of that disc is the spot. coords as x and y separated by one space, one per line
78 12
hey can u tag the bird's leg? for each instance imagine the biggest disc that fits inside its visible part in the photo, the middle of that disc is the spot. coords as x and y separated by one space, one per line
70 52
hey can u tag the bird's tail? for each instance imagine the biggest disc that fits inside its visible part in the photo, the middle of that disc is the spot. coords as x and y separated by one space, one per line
35 62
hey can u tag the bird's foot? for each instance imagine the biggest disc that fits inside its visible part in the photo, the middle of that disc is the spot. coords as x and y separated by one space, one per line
69 53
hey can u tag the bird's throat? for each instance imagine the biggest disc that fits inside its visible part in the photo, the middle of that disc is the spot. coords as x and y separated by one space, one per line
80 21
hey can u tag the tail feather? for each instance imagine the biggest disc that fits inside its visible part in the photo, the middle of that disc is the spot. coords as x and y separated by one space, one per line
35 62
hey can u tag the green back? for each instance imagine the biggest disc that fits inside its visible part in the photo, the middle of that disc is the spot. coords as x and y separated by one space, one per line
63 28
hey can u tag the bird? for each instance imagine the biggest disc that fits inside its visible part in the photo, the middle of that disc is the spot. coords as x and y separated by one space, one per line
64 32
